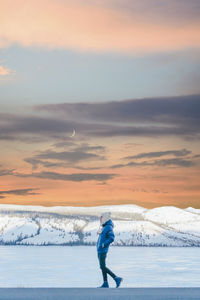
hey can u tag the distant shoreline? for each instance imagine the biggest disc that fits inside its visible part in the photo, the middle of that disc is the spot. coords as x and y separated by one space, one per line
166 226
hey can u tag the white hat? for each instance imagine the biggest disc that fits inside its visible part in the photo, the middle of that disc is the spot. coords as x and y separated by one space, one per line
105 217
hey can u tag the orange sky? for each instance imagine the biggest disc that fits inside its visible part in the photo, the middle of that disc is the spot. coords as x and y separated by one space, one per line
148 186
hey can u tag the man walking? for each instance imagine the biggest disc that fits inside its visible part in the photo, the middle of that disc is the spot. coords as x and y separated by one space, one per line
106 237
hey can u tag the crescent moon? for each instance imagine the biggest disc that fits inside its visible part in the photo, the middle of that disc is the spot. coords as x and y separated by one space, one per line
73 133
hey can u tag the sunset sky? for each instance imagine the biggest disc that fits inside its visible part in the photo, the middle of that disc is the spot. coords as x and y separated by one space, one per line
124 76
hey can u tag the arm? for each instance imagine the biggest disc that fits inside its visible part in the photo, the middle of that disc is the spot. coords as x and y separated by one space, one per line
110 238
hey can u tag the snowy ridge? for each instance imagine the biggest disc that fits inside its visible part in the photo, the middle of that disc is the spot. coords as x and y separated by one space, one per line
134 225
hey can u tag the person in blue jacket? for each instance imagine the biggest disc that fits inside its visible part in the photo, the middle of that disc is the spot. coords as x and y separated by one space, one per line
106 237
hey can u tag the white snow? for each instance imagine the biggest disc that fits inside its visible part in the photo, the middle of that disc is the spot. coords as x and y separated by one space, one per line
16 228
170 214
72 210
133 225
193 210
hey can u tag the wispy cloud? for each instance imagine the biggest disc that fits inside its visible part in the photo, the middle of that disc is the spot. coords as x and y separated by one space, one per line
161 163
136 189
70 156
51 158
182 152
83 25
76 177
19 192
174 11
4 172
4 71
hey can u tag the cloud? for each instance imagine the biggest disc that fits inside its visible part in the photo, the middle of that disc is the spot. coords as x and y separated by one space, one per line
159 116
135 189
174 11
80 153
162 162
148 117
182 152
88 168
87 147
83 25
33 124
4 71
174 161
71 156
19 192
4 172
158 109
36 162
31 128
64 144
49 164
76 177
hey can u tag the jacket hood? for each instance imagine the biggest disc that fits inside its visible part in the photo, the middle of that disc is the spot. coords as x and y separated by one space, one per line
109 222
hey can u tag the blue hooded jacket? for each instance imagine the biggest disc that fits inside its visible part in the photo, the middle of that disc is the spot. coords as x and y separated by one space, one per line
106 237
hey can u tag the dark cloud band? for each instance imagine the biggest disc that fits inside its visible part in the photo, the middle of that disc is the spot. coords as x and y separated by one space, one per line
76 177
177 162
20 192
153 117
182 152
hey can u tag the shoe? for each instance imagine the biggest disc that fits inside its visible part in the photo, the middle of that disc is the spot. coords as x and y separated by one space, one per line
104 285
118 281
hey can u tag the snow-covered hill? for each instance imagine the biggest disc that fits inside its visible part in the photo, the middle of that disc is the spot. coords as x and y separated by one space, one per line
134 225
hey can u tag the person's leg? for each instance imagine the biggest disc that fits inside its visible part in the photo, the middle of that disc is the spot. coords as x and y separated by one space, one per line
109 271
102 257
105 270
117 279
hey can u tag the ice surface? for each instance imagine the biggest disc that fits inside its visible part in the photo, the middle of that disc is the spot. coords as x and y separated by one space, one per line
77 266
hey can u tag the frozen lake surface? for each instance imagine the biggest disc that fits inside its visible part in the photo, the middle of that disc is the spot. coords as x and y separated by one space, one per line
77 266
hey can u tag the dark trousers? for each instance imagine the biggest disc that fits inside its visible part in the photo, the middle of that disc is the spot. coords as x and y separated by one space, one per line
104 269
